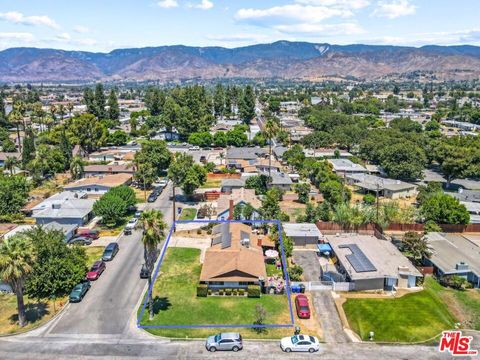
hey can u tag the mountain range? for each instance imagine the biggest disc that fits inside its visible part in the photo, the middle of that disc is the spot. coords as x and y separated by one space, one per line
279 60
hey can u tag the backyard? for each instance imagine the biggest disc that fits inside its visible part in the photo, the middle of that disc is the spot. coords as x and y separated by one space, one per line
176 303
413 317
188 214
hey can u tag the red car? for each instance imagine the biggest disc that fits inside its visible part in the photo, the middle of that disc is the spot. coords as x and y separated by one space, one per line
303 309
91 234
97 269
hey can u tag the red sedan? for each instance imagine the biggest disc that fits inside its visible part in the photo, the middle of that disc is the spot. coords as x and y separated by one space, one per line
301 304
97 269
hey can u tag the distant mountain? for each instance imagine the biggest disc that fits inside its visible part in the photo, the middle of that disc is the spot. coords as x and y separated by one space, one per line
282 59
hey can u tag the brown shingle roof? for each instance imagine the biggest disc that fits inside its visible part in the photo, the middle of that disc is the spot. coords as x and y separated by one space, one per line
107 180
237 195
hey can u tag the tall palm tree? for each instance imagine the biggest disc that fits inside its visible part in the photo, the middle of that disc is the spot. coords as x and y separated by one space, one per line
70 108
17 257
16 117
271 131
153 234
10 163
76 167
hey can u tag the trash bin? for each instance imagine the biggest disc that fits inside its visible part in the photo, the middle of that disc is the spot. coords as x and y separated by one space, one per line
302 288
295 289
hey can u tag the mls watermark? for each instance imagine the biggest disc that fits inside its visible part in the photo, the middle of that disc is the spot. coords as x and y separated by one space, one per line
456 344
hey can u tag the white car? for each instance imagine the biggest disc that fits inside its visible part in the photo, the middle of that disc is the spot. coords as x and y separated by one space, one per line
131 224
300 343
163 183
194 148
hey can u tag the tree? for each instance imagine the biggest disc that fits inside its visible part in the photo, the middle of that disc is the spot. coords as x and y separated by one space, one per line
416 247
118 138
58 267
125 193
113 108
334 192
100 102
270 209
8 146
404 161
66 148
10 163
17 258
153 235
236 137
220 139
258 182
16 117
295 157
444 209
87 131
154 101
156 153
260 316
219 101
406 125
111 208
76 168
202 139
13 194
271 130
89 100
247 105
195 177
303 191
28 150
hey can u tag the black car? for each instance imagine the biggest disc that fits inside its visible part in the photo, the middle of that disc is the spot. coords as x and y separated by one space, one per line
144 272
152 197
80 240
79 291
110 251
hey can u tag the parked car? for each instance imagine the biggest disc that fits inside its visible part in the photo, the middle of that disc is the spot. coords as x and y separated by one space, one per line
300 343
81 240
110 251
138 214
301 304
93 234
132 223
152 197
194 148
96 270
144 272
224 342
163 183
203 159
79 291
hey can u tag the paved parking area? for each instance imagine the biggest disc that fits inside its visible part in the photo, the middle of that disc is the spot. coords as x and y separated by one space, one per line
308 260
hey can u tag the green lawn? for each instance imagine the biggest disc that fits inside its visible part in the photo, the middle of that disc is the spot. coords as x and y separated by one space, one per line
211 183
94 253
188 214
176 302
272 270
410 318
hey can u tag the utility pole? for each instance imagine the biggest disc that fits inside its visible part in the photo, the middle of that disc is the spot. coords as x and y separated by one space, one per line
378 203
174 216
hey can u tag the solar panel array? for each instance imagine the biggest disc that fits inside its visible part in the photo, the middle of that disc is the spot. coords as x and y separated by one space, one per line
358 259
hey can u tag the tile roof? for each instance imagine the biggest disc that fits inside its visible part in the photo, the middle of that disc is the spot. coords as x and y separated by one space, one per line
238 195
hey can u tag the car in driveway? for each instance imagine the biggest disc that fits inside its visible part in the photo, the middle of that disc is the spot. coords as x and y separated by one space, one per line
92 234
79 292
230 341
144 272
302 307
96 270
81 240
300 343
110 251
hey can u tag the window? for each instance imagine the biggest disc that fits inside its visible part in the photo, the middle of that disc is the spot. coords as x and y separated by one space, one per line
216 282
226 341
89 189
303 343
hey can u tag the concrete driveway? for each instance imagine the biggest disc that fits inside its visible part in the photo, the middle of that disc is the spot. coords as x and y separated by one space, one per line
308 260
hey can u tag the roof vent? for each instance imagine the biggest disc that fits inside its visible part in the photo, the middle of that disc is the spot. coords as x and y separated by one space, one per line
461 266
56 206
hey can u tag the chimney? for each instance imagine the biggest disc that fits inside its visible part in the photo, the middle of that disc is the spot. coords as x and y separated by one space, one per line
230 213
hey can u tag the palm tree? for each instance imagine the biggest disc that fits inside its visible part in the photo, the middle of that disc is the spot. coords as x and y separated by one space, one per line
16 117
271 130
76 167
16 262
70 108
10 163
153 234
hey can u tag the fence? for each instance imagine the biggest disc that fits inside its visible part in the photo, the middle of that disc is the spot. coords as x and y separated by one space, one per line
326 285
223 176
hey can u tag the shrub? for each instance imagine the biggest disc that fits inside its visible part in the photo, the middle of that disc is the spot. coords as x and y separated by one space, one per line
241 292
220 292
295 272
202 290
369 199
228 292
253 291
199 232
209 291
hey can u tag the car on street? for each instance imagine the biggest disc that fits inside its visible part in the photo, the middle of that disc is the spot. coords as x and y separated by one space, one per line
300 343
81 240
144 272
110 251
79 292
152 197
163 183
230 341
301 304
194 148
132 223
138 214
96 270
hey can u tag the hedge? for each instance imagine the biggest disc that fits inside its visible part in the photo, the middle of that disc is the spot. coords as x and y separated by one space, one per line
202 290
253 291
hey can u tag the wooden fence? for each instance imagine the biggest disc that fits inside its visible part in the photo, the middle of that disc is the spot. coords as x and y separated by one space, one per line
224 176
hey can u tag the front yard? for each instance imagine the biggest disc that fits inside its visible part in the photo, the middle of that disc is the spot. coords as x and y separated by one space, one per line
176 303
94 253
413 317
188 214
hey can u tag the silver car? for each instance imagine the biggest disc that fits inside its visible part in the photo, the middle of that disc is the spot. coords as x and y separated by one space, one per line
224 342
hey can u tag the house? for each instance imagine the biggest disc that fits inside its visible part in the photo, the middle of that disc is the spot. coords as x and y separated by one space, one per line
372 264
345 166
234 259
5 155
67 229
302 234
242 197
455 255
96 186
326 153
432 175
96 170
279 151
389 188
65 208
228 185
263 165
280 180
245 153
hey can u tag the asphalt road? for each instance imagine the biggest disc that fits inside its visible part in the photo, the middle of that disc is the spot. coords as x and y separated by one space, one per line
111 302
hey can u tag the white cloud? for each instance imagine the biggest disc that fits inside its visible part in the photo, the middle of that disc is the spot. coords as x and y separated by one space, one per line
12 39
238 37
348 4
64 36
168 4
394 9
36 20
81 29
204 5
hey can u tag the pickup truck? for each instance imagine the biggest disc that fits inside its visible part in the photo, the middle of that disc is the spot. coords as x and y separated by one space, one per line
131 225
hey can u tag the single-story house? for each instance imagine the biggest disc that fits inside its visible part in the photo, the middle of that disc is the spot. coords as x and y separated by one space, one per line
263 165
326 153
234 259
302 234
245 153
96 186
389 188
345 166
5 155
280 180
467 195
432 175
240 197
96 170
228 185
455 255
371 263
67 229
279 151
64 208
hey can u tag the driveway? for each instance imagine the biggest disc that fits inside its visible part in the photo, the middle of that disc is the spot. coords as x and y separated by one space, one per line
328 316
308 260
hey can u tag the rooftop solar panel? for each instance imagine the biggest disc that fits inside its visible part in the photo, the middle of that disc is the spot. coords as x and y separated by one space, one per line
358 259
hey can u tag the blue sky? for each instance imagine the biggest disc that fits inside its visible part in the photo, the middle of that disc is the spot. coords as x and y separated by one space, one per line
103 25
